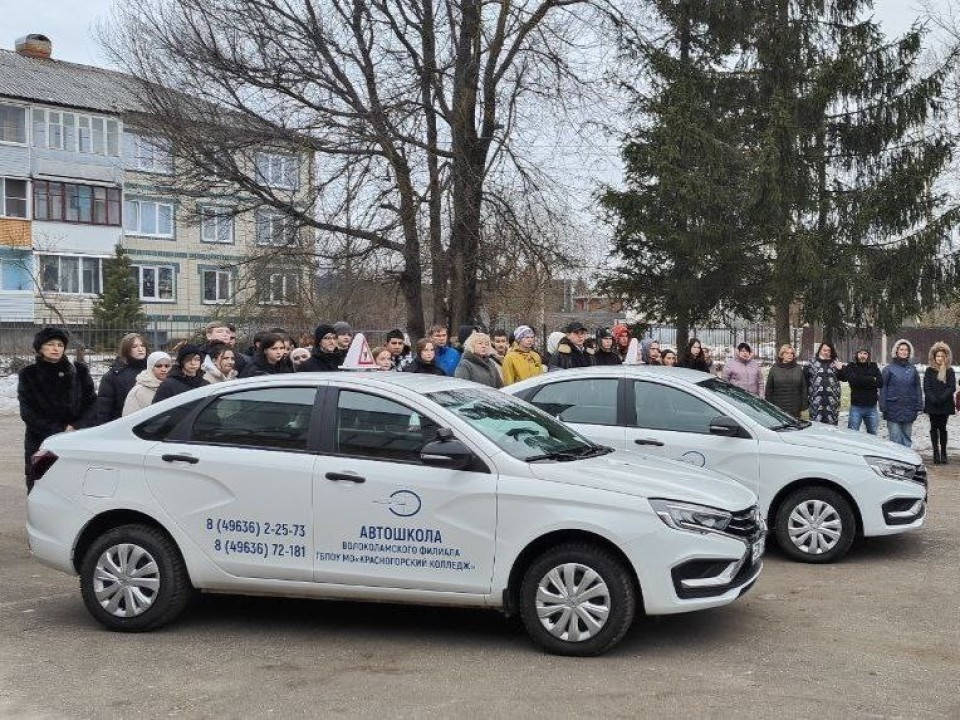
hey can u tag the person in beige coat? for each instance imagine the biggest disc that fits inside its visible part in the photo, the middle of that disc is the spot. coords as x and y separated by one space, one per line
148 380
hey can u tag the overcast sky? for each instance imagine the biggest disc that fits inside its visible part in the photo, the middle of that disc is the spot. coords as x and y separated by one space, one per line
70 24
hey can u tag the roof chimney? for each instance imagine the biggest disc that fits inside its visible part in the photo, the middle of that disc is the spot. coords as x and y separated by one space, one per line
34 46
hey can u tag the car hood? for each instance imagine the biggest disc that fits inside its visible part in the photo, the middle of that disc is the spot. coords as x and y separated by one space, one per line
636 474
829 437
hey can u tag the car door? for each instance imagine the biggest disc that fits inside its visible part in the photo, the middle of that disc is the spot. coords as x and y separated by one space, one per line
589 405
237 476
673 422
385 519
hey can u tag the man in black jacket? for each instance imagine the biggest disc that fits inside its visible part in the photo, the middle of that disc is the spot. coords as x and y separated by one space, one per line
865 381
571 352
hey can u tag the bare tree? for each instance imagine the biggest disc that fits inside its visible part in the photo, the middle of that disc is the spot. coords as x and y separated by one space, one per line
410 107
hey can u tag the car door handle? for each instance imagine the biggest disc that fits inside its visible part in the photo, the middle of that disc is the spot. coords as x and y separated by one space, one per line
180 458
348 477
649 441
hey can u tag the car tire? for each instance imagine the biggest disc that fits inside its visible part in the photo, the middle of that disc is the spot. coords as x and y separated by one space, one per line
815 525
587 627
133 579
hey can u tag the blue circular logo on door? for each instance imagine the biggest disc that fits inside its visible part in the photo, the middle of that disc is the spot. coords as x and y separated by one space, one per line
404 503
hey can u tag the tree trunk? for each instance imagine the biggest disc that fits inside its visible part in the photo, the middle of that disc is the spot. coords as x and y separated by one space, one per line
781 316
683 337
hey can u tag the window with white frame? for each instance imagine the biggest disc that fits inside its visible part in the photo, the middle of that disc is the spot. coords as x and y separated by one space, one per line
278 288
217 286
13 124
73 274
274 228
149 217
277 170
147 154
155 282
216 225
13 198
74 132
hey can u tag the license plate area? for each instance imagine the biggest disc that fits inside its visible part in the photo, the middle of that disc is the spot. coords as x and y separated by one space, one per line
758 547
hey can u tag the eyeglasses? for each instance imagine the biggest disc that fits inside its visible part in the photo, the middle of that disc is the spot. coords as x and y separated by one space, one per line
329 337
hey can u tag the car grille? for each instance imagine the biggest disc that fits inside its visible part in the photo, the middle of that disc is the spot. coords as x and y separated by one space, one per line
744 523
920 476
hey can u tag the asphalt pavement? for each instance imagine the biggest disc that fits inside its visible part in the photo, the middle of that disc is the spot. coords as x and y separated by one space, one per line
877 635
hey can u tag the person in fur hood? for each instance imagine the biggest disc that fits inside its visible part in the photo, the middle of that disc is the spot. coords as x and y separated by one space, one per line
55 394
939 386
901 397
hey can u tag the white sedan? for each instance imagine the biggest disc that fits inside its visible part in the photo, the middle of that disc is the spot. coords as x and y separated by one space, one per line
819 486
389 487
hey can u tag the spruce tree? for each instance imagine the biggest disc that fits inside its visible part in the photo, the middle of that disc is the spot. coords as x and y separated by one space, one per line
117 309
683 252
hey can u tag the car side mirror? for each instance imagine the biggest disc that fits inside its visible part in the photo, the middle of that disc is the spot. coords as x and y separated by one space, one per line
725 426
446 451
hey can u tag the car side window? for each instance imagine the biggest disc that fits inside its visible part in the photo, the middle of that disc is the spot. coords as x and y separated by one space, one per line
380 429
592 401
271 418
159 426
660 407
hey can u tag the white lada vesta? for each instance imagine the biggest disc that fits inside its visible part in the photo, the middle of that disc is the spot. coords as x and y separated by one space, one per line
388 487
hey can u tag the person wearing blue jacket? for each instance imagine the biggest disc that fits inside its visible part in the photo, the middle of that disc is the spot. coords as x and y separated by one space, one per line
901 397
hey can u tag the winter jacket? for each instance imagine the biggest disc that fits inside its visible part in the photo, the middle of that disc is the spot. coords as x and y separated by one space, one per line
447 359
520 364
901 397
823 388
478 369
787 388
569 356
938 394
259 366
53 396
142 393
177 383
604 357
745 374
321 361
419 366
115 385
698 363
214 376
865 380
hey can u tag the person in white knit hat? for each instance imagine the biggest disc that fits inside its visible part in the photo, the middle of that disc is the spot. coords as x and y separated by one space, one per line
148 380
522 361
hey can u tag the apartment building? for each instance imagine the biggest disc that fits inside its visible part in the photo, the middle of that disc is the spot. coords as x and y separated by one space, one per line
77 177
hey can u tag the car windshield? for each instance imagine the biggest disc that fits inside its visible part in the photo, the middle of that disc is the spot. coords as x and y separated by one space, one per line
515 426
765 413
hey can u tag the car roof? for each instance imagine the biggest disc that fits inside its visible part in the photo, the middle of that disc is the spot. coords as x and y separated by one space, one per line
659 372
417 382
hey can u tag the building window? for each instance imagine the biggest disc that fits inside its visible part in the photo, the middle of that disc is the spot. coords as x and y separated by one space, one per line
68 202
217 286
275 170
274 228
155 282
153 218
216 225
71 274
147 154
73 132
278 288
13 198
13 124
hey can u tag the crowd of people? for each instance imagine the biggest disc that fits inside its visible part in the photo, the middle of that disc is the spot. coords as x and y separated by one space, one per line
58 395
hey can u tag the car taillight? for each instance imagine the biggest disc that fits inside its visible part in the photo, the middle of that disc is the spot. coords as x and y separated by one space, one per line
40 462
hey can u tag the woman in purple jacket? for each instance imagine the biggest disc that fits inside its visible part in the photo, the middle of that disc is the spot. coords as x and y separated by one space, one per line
743 371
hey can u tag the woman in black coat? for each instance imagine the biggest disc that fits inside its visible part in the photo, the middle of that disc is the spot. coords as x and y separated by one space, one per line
424 361
939 386
119 380
184 376
55 394
270 358
606 352
326 355
695 358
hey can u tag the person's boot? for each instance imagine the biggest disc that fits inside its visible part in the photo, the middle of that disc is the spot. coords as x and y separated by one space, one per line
935 442
943 452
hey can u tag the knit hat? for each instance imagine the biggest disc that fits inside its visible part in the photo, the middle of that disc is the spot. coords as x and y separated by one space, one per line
323 329
342 328
603 333
155 357
523 331
50 333
185 353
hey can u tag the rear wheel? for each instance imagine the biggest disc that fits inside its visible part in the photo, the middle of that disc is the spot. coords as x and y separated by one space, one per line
577 599
816 525
133 579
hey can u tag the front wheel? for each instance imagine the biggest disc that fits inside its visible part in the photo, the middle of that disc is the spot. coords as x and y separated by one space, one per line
577 599
133 579
815 525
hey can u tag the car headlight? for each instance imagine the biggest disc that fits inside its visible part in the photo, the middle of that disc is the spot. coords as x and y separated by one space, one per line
687 516
891 469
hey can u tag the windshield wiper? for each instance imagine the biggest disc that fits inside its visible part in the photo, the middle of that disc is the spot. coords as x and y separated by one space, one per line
578 453
792 425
